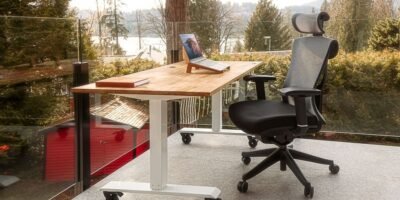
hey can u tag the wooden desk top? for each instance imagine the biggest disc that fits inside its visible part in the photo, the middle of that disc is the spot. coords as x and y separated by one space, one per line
173 80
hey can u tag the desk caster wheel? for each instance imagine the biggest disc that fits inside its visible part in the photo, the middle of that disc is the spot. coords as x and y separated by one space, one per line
112 195
242 186
186 137
252 142
334 168
309 191
246 160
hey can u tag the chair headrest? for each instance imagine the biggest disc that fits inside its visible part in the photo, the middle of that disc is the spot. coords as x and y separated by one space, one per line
310 23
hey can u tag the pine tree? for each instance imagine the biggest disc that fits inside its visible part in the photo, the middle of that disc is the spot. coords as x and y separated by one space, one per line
112 20
350 23
32 40
382 9
324 6
385 35
238 46
266 21
203 14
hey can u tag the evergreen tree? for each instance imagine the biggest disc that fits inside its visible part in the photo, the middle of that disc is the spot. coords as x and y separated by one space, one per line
112 20
385 35
35 40
382 9
212 22
325 6
238 46
203 14
350 23
266 21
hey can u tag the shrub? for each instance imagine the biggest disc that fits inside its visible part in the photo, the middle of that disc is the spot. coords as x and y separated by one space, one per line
102 71
361 93
385 35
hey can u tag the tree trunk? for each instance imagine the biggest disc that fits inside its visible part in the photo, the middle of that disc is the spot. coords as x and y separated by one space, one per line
176 18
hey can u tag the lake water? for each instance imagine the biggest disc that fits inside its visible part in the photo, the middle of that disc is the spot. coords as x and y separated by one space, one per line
131 44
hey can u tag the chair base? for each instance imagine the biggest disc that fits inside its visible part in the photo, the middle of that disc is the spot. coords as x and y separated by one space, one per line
286 156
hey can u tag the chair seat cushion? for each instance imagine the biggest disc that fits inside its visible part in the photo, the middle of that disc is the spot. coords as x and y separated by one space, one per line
257 117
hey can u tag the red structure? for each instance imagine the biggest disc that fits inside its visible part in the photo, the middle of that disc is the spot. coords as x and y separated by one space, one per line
112 145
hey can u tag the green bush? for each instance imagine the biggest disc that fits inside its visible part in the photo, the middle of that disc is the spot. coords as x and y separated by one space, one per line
361 93
118 68
12 146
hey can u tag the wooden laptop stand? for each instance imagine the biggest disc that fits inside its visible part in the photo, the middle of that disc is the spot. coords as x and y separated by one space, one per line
191 65
187 61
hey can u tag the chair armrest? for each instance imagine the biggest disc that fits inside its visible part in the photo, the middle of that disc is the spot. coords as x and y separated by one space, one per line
257 78
299 95
299 92
260 80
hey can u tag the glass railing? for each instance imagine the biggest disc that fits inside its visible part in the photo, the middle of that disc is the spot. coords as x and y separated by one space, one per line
362 85
37 146
37 130
119 125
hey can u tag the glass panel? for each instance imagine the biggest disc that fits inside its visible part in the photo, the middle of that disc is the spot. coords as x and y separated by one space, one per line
361 89
119 125
36 128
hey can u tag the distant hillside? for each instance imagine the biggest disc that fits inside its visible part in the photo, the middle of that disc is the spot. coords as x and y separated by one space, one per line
243 13
312 7
315 4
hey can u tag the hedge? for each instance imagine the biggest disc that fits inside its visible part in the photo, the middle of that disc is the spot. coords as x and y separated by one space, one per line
106 70
362 92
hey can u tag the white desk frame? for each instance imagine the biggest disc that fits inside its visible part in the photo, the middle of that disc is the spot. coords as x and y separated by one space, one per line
159 155
159 150
216 115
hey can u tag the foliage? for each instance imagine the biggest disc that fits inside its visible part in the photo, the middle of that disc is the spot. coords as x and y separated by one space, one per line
33 39
324 6
266 21
118 68
238 46
158 22
36 103
382 9
350 24
12 146
89 51
385 35
212 22
361 93
112 22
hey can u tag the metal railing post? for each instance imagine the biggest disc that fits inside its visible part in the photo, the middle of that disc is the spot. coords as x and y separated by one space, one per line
82 126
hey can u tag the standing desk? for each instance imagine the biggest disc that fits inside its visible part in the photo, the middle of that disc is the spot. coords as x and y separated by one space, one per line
171 82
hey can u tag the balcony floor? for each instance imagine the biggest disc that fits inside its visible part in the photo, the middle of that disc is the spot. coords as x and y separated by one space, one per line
367 171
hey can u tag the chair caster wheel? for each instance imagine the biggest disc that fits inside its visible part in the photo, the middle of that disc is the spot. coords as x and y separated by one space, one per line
309 191
242 186
252 142
112 195
334 168
212 199
246 160
186 137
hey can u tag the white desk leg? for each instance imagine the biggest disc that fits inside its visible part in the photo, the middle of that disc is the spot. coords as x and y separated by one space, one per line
216 123
158 144
159 164
216 112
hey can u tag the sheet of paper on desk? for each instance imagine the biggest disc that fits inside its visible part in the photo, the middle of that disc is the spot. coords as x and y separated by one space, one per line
121 82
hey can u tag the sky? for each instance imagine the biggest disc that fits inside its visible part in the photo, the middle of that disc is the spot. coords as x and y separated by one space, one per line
148 4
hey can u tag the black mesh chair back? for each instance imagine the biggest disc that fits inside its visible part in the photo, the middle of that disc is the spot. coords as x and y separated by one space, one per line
310 56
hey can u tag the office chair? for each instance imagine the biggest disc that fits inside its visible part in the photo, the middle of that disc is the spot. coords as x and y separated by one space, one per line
298 113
